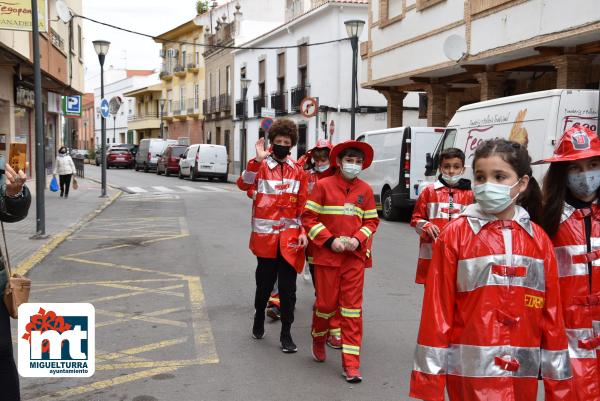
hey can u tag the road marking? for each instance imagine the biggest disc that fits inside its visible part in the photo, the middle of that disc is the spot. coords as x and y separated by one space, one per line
136 189
143 348
164 189
188 189
131 294
148 317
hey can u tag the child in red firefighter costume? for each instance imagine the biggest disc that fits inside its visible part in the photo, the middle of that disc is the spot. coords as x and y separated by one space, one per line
278 240
438 204
491 319
340 218
572 219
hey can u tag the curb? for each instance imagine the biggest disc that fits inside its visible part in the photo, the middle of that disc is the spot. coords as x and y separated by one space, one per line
24 267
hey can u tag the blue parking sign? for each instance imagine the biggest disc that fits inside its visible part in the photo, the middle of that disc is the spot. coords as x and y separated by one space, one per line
72 106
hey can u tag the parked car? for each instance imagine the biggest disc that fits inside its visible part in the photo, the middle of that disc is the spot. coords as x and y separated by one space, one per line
119 157
168 162
399 166
536 120
80 153
204 160
149 152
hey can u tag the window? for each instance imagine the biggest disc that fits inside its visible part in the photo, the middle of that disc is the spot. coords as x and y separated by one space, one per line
182 96
243 72
302 66
183 58
197 58
228 80
262 78
80 42
196 97
210 85
281 73
71 37
219 82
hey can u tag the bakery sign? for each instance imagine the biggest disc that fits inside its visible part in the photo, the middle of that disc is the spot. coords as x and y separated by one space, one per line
16 15
24 95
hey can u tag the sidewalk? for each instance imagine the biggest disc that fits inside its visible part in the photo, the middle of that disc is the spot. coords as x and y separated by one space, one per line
63 216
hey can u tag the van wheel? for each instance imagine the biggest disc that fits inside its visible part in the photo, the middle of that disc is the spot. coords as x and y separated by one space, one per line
223 178
135 167
389 212
167 174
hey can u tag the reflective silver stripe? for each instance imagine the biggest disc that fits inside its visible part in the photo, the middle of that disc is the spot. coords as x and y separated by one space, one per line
435 210
419 226
431 360
574 335
556 365
477 272
479 361
425 250
249 176
273 187
265 226
567 212
564 258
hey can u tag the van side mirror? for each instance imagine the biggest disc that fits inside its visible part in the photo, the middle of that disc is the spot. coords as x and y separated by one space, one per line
429 165
182 156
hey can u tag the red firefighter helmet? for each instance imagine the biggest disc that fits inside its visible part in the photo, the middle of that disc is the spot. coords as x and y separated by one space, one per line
362 146
321 144
577 143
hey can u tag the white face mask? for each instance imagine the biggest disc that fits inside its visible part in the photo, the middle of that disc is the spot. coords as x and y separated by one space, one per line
584 184
452 180
322 168
494 198
350 170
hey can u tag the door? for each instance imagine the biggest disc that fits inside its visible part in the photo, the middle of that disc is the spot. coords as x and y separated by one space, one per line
207 162
183 163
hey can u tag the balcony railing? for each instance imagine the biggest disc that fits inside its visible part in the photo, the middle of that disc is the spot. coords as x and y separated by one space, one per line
179 68
279 103
193 106
179 108
259 103
298 93
144 116
212 105
239 108
224 103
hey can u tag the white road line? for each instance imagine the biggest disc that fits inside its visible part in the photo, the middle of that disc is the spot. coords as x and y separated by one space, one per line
188 189
209 188
136 190
164 189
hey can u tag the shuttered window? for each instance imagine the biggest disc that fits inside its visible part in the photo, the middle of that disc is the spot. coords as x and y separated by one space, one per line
302 56
281 65
261 71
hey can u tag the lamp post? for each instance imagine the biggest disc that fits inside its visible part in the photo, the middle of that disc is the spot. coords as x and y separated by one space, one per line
244 84
354 29
101 48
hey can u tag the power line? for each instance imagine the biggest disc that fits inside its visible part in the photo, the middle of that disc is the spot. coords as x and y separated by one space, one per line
216 46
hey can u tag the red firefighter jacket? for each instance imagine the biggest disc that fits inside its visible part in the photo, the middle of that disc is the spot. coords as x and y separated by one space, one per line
580 294
491 320
338 208
279 191
313 177
437 204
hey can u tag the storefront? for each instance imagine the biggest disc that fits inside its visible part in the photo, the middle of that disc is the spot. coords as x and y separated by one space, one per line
23 115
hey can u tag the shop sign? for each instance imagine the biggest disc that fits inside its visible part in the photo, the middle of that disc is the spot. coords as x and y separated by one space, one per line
24 95
16 15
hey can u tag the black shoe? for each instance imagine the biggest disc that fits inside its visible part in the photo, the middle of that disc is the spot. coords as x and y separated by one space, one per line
66 196
258 329
287 344
61 194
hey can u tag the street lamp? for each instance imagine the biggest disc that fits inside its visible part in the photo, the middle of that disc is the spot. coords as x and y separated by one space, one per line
354 29
244 84
101 48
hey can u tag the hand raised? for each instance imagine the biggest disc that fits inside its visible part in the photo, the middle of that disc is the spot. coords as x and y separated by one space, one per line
261 153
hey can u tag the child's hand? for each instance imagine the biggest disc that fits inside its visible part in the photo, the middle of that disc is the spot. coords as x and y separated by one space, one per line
337 246
433 231
352 245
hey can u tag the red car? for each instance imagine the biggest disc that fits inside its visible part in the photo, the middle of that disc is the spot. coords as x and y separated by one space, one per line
119 157
168 162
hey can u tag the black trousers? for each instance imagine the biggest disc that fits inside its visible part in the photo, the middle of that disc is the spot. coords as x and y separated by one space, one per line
267 272
65 183
9 378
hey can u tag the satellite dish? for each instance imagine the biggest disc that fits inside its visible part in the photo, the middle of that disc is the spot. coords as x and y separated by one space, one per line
455 47
63 11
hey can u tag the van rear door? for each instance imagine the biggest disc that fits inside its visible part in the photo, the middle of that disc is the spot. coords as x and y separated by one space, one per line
423 141
207 158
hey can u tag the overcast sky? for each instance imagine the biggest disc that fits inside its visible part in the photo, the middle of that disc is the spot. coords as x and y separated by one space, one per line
127 50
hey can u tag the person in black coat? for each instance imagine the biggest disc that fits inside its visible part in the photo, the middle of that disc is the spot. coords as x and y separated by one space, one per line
15 200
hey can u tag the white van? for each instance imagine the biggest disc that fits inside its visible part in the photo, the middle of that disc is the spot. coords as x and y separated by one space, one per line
149 151
536 119
398 166
204 160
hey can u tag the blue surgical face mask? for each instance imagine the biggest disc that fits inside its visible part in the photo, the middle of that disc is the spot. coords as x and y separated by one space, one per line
322 168
452 180
494 198
351 170
584 184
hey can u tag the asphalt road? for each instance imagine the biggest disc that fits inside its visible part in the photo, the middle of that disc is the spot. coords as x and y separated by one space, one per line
172 280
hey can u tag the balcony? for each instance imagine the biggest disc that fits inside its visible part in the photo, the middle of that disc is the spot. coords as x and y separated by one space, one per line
143 121
224 103
179 71
299 93
193 68
212 105
239 109
193 107
166 74
144 116
179 110
279 103
259 103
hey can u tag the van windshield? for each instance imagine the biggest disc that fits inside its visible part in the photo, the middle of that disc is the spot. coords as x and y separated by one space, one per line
449 137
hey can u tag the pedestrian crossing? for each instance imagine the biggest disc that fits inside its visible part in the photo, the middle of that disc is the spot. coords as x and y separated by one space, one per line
177 189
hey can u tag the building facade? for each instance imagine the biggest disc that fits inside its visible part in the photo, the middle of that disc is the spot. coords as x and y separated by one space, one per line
61 51
281 78
145 121
461 52
117 130
85 139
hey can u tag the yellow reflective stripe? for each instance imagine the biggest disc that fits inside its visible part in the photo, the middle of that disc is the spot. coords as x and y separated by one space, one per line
274 299
370 214
324 315
350 349
366 232
368 253
314 206
341 210
335 332
319 334
311 260
350 312
317 228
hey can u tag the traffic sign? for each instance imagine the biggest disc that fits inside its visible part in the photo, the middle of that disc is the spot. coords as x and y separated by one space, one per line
309 107
71 106
104 108
266 123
